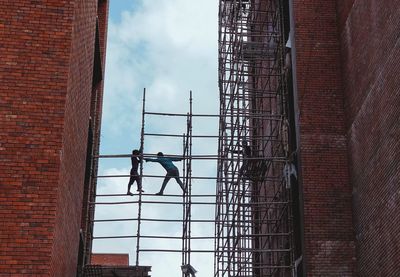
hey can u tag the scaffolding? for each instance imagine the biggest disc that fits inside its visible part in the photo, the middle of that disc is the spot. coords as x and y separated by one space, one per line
183 202
254 221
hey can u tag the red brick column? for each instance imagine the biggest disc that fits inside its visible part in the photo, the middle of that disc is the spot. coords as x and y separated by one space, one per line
328 233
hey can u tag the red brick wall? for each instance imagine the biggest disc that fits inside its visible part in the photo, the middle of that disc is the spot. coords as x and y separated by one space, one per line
34 72
73 153
371 56
110 259
45 72
328 234
97 101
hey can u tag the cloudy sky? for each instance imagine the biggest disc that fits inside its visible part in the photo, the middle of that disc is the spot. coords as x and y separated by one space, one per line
169 47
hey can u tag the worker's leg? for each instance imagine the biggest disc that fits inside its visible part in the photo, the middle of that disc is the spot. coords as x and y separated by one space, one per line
175 174
178 180
131 180
139 183
164 184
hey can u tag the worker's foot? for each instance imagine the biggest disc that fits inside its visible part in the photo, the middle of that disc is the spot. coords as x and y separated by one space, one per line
140 190
129 193
159 193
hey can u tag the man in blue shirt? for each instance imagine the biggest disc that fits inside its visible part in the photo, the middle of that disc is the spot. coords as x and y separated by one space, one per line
172 170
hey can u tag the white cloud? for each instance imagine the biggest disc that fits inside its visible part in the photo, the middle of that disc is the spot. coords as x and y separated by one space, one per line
169 47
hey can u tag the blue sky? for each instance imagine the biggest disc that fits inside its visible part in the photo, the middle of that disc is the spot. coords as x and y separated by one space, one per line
117 7
169 47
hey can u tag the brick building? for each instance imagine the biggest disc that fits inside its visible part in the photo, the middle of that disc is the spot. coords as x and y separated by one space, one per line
111 265
346 55
346 100
341 107
52 63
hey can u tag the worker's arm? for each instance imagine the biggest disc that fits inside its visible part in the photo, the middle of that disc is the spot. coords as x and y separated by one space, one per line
140 157
175 159
151 160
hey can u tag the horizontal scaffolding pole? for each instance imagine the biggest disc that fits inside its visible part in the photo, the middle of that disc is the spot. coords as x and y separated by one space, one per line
248 194
153 237
149 202
183 114
155 220
154 176
250 250
177 250
146 194
237 250
193 203
193 178
202 157
178 136
203 221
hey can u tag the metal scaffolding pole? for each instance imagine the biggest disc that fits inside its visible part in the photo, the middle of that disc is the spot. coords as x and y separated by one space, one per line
187 195
253 145
143 201
141 176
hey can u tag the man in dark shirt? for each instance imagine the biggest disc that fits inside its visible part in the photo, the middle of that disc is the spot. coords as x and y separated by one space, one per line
172 170
136 160
245 169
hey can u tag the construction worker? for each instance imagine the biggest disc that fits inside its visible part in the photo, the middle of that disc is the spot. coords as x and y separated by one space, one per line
172 170
188 270
245 169
135 160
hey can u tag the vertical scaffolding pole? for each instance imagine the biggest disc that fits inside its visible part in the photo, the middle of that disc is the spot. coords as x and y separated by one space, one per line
253 214
187 194
187 248
141 174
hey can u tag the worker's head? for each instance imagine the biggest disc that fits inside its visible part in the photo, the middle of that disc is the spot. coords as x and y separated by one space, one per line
135 152
160 154
244 142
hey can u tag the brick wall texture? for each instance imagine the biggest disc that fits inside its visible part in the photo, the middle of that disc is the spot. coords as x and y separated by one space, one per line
370 41
46 70
329 248
347 68
347 65
110 259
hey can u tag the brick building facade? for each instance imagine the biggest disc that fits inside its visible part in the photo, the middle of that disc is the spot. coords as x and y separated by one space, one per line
51 70
369 32
346 56
346 62
329 248
111 265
